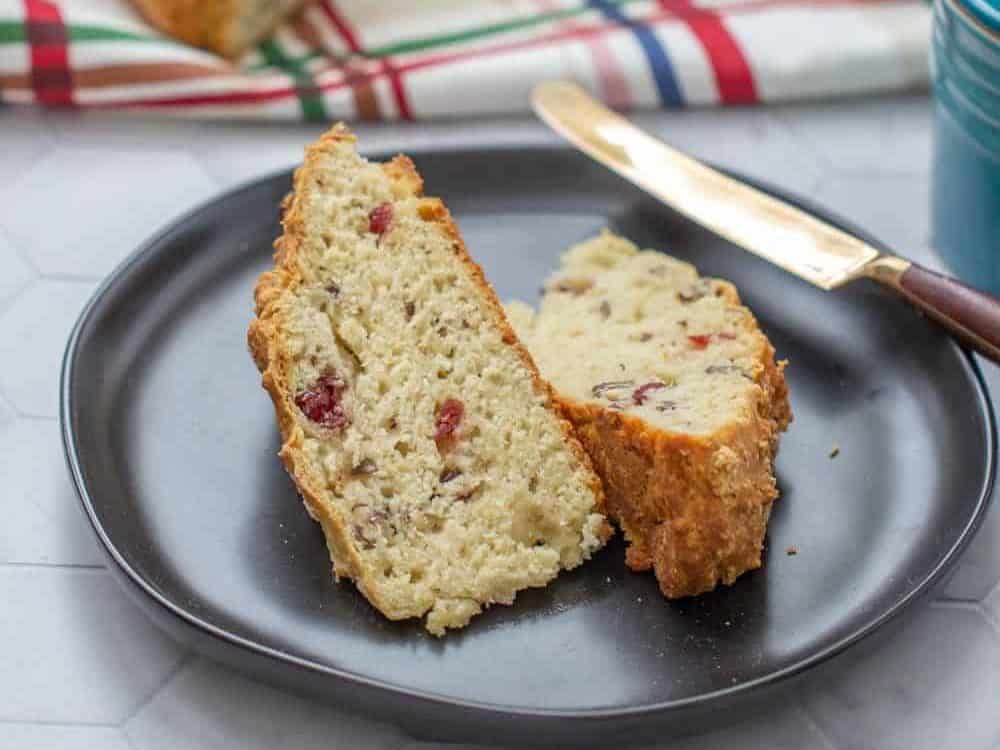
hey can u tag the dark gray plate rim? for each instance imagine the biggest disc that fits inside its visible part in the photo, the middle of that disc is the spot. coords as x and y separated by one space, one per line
874 623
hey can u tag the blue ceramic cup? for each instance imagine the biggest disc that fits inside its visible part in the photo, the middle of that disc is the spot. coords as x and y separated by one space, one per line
965 190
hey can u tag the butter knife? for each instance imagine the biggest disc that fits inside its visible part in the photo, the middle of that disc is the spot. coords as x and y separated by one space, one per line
767 226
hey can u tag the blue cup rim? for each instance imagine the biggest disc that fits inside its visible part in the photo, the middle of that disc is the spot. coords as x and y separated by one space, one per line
982 15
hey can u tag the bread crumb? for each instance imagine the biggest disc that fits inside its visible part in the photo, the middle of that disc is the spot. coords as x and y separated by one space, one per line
834 451
792 550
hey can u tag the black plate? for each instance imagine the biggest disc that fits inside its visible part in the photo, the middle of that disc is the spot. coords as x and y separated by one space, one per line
172 445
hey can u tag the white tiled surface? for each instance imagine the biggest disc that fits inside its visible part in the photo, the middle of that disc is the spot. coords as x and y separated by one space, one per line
40 527
34 327
81 668
16 275
80 248
75 651
936 684
892 204
207 706
882 142
63 736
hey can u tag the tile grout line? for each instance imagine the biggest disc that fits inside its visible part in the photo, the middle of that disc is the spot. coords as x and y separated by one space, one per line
960 604
865 174
979 608
993 592
72 277
127 740
992 622
38 274
944 598
6 304
186 658
820 183
15 246
6 403
53 566
969 604
813 724
776 124
802 144
56 723
25 415
991 618
817 183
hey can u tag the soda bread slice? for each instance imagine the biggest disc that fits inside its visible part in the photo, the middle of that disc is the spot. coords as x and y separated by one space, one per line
226 27
441 469
675 393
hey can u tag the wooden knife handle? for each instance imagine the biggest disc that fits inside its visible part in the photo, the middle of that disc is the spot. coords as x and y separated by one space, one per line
973 316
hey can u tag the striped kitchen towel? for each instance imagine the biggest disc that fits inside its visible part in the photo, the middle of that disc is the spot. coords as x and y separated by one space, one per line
418 59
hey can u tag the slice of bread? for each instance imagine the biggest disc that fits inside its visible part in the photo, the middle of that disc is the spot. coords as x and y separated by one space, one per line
675 393
442 470
226 27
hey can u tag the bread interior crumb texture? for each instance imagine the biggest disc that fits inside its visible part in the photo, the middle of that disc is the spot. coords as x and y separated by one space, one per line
422 523
615 318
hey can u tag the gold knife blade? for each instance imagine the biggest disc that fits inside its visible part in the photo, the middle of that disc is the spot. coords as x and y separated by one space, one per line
785 235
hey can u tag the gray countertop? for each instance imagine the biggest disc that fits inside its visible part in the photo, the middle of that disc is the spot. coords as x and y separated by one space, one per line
80 667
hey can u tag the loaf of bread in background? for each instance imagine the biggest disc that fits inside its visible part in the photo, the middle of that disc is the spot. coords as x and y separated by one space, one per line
441 468
226 27
675 393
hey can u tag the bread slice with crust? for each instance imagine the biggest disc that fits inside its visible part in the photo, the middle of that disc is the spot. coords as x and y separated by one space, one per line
443 472
675 393
226 27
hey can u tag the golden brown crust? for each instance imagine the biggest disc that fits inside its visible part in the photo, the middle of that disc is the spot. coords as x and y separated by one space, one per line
266 331
695 509
209 25
263 338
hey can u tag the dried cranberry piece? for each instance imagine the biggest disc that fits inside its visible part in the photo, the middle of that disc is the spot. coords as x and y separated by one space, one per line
449 416
639 397
380 218
700 340
321 402
726 335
